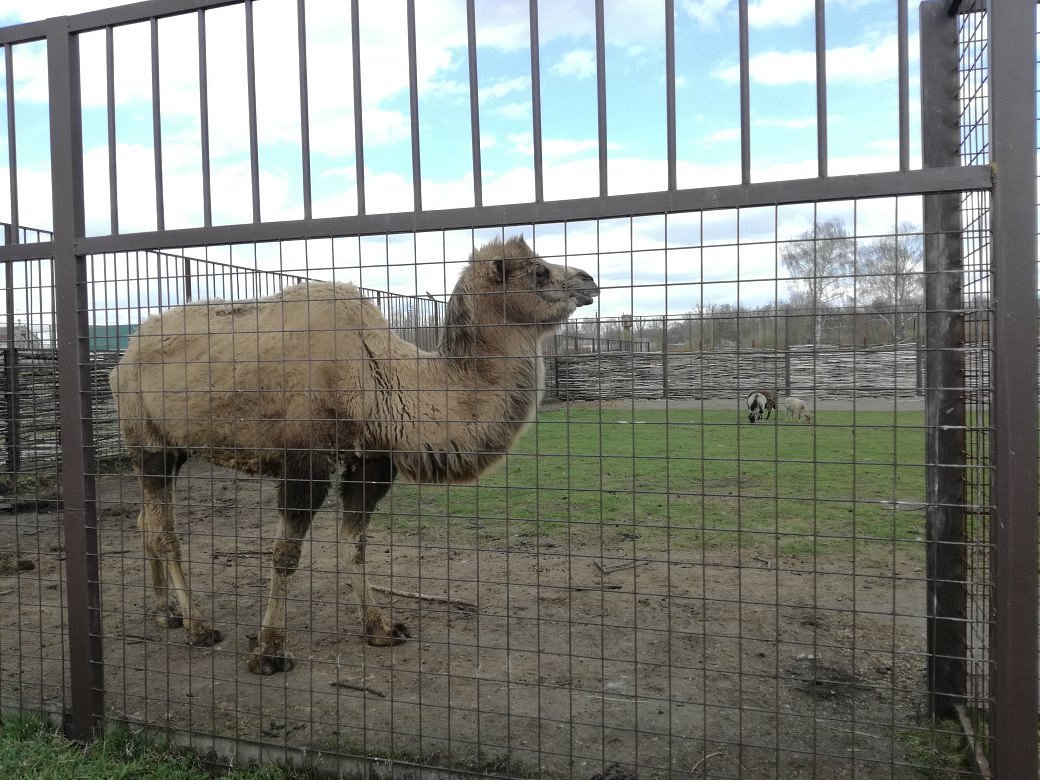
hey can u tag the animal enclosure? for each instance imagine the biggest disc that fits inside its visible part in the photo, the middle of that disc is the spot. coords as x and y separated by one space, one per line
577 544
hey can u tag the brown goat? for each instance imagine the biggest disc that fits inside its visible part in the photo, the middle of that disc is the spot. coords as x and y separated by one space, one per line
293 385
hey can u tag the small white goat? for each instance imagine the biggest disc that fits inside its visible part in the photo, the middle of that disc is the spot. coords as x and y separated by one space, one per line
795 409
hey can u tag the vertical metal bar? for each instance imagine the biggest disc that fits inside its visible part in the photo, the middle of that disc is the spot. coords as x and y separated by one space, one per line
160 210
254 153
745 95
86 672
207 190
11 368
536 103
474 103
947 599
904 87
12 146
1012 84
305 116
110 110
413 109
821 89
359 136
601 97
669 80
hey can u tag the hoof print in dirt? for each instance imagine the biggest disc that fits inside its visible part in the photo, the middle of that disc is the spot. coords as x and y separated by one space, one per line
614 772
822 680
10 564
205 638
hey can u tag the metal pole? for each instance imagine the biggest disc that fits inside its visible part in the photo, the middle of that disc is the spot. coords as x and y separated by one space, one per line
947 597
86 673
1012 85
11 369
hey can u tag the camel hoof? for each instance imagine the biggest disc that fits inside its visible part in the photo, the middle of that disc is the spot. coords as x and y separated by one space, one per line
266 665
266 659
169 620
396 635
204 637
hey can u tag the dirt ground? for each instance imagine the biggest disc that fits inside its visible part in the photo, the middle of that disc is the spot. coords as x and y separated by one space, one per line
563 657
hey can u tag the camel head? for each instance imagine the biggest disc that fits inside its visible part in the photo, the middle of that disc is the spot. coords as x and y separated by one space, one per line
506 283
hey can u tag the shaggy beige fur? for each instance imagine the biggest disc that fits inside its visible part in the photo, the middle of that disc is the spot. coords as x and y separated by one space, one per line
796 409
294 385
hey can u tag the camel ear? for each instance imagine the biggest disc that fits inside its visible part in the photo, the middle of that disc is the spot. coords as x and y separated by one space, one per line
498 268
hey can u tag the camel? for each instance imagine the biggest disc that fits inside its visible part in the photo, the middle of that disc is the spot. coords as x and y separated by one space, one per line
297 384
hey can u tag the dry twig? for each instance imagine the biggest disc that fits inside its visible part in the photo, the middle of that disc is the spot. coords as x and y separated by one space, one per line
457 603
697 766
358 687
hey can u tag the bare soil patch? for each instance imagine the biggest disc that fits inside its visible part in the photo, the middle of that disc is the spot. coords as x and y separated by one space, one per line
589 656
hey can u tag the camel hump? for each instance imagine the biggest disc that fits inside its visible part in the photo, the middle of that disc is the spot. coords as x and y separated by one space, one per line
317 291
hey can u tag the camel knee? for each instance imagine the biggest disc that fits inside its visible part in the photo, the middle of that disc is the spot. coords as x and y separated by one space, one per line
285 557
162 545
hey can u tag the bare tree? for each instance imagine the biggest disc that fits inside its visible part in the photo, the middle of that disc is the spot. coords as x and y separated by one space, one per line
820 262
890 276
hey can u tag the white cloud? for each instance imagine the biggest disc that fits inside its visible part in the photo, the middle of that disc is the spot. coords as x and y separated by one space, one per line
727 134
514 110
578 62
793 123
706 13
502 87
560 148
845 64
779 13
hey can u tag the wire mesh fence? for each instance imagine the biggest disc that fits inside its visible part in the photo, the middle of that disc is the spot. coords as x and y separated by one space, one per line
646 582
368 505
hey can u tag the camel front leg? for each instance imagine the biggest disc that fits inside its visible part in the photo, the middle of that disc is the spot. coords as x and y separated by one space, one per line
158 472
364 483
299 499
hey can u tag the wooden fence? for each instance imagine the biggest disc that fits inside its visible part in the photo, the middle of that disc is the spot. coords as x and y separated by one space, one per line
824 373
29 399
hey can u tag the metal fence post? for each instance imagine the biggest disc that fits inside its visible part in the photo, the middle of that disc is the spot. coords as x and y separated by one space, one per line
947 595
1012 85
10 379
86 674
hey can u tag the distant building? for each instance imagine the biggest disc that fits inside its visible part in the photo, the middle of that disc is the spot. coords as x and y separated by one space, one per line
110 338
24 338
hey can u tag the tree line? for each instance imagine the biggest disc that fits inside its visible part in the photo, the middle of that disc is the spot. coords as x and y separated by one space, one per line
841 290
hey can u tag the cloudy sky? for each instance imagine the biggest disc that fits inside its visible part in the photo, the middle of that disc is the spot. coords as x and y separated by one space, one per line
861 106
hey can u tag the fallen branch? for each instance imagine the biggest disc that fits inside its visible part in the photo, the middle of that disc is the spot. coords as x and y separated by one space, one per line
697 766
457 603
618 567
605 586
357 687
821 724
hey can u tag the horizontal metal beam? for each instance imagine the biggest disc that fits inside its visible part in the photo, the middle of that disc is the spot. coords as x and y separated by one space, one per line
869 185
108 17
41 250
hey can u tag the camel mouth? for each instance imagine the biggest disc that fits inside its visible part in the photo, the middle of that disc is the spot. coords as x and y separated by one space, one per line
582 288
584 298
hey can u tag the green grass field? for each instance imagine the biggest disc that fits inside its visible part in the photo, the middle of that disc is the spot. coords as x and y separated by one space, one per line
854 482
29 748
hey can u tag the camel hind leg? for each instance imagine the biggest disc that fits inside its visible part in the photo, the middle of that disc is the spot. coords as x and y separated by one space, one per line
364 484
158 472
300 494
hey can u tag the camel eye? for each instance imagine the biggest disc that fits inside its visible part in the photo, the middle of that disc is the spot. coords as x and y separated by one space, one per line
541 275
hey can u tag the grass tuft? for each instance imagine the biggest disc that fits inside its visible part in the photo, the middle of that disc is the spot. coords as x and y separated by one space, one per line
30 747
